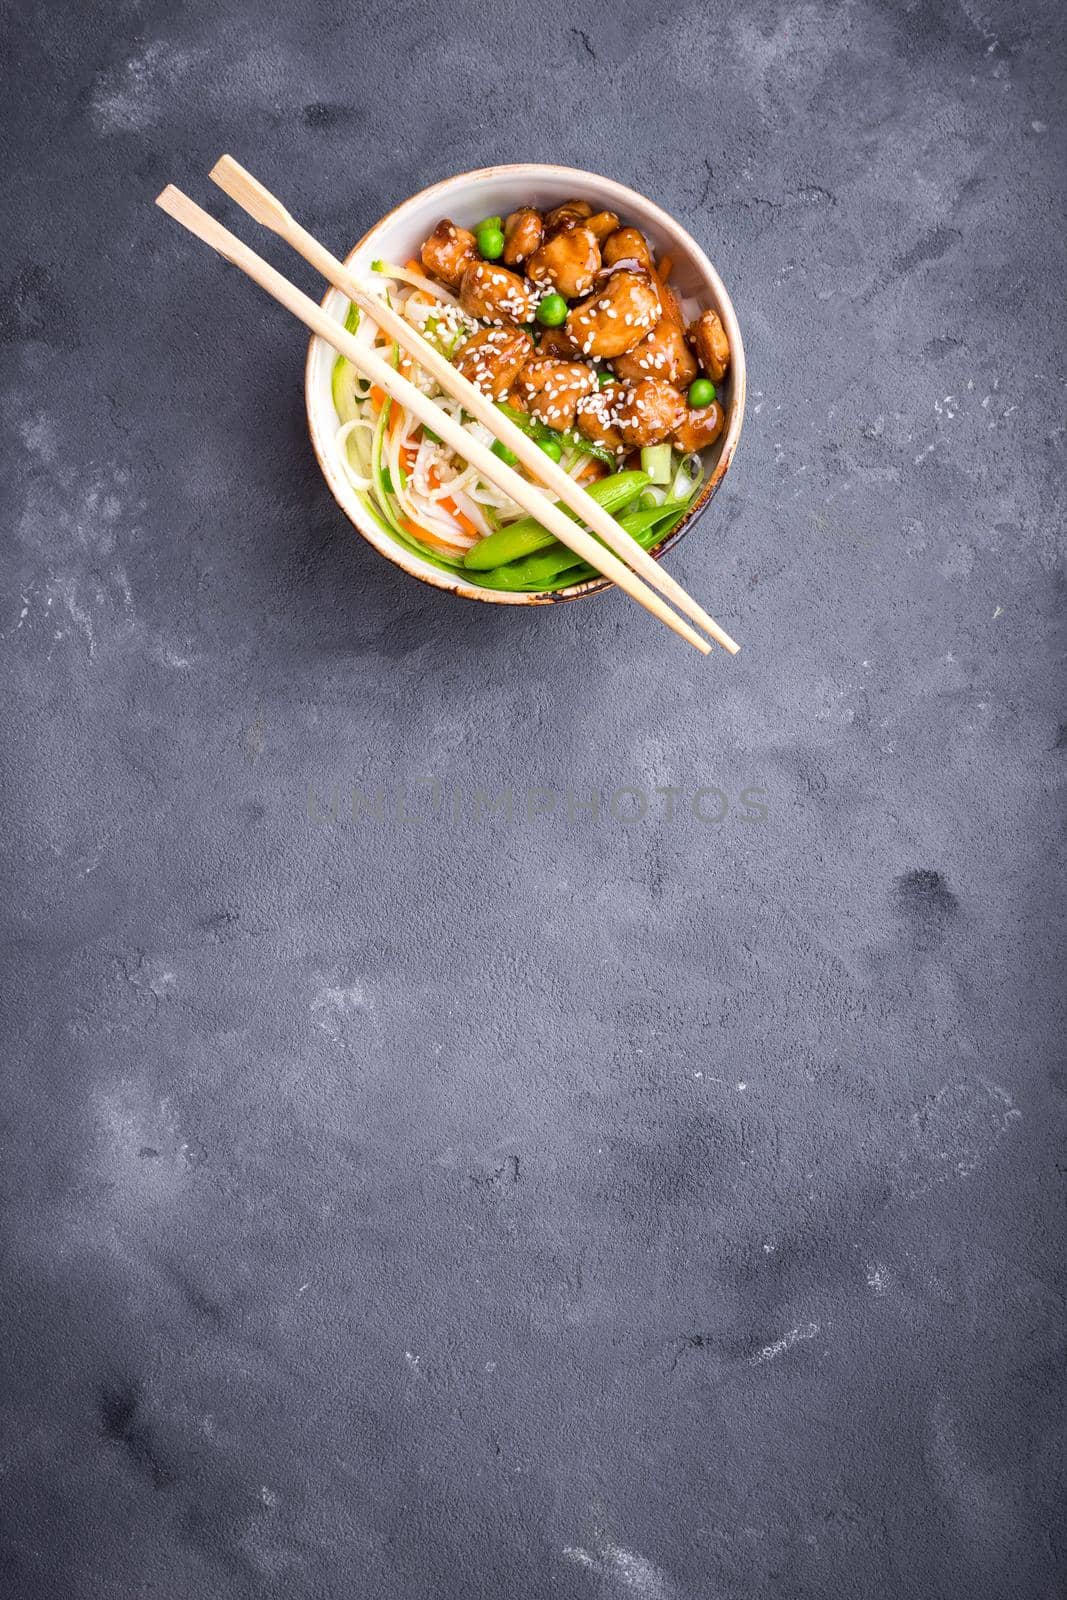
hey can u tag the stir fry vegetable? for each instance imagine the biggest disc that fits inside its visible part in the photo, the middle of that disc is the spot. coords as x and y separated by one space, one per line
527 535
557 567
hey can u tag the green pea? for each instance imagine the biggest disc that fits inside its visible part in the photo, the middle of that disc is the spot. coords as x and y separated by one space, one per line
551 447
552 311
500 449
604 379
490 222
701 393
490 242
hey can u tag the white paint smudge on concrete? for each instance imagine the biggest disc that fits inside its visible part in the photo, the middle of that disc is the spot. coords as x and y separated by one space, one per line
350 999
335 1008
39 438
152 977
771 1352
626 1570
70 527
169 657
65 590
952 1135
131 96
137 1159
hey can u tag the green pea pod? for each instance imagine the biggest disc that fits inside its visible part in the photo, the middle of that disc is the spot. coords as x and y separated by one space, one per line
556 567
522 538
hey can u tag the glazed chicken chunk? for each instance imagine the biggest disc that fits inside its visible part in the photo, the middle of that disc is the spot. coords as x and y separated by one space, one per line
494 294
711 344
551 389
558 342
618 317
649 412
700 428
448 252
523 232
595 417
492 359
663 353
627 244
569 212
604 223
569 261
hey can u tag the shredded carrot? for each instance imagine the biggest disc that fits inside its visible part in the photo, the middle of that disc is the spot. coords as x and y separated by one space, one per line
408 453
413 265
425 536
450 506
592 469
377 397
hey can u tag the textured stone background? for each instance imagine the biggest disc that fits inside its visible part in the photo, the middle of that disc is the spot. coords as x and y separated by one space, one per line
456 1209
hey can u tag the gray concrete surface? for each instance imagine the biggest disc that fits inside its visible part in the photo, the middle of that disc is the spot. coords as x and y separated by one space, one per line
565 1207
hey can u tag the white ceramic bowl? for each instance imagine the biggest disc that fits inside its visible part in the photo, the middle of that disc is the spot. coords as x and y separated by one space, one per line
495 191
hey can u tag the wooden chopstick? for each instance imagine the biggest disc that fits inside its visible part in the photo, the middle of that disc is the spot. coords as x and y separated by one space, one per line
265 208
198 222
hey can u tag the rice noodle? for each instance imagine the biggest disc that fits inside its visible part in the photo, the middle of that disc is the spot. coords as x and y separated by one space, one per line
385 269
470 509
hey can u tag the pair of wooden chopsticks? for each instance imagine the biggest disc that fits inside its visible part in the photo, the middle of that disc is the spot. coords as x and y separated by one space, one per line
624 562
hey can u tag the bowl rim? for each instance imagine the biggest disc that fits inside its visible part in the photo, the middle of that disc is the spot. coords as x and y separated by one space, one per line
453 583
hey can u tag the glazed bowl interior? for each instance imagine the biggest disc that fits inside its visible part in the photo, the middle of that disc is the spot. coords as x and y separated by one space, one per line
466 199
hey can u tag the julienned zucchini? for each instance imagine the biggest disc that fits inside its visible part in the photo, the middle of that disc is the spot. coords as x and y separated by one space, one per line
344 378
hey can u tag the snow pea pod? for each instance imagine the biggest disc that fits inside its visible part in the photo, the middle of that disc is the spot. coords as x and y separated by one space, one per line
558 567
522 538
